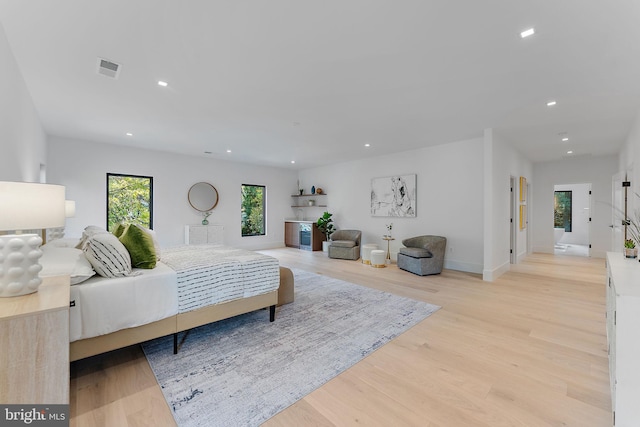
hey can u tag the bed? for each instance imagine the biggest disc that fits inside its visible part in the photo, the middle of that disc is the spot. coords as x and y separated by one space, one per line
190 286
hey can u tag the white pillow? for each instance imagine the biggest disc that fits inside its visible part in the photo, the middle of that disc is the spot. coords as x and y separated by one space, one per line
107 255
56 261
65 242
88 232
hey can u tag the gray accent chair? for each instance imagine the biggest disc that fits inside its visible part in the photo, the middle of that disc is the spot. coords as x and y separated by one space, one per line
423 255
345 244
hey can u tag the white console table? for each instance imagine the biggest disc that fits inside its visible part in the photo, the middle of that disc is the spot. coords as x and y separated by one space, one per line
201 234
623 335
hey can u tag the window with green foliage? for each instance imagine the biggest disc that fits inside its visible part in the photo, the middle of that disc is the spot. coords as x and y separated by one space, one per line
129 200
562 210
253 209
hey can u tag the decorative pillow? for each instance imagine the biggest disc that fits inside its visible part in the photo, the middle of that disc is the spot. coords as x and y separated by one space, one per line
88 232
65 242
139 243
56 261
107 255
119 230
156 244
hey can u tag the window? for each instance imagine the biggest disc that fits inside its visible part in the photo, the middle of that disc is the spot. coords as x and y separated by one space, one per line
562 210
129 200
252 210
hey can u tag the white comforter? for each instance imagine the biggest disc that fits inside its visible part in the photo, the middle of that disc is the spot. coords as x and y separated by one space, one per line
189 277
102 305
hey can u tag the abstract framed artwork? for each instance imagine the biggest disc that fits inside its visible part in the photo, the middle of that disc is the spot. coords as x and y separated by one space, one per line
523 189
394 196
523 217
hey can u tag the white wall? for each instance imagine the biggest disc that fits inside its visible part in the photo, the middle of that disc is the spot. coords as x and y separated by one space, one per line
580 214
449 198
502 162
82 167
22 140
629 161
595 170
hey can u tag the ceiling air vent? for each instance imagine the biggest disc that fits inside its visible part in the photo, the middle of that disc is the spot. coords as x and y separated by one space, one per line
108 68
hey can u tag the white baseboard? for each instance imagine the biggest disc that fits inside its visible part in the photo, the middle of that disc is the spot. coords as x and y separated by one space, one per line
491 275
462 266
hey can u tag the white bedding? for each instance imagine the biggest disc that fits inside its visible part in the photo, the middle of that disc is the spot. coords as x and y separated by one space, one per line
189 277
104 305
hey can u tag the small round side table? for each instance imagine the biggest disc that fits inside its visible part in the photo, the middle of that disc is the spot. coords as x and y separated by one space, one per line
388 239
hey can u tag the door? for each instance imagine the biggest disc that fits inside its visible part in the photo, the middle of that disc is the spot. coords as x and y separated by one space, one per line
617 212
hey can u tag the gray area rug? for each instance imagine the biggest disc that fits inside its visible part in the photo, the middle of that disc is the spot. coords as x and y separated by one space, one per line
244 370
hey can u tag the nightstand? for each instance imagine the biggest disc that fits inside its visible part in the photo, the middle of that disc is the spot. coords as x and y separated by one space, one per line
34 338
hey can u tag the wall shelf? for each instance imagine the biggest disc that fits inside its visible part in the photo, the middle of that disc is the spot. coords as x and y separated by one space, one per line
299 203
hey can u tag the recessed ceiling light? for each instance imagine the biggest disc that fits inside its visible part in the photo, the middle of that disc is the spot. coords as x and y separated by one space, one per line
367 145
293 161
228 151
565 139
570 152
551 103
161 83
527 33
129 134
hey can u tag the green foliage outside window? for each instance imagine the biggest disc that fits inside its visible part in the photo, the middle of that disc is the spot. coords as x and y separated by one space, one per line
129 200
252 210
562 210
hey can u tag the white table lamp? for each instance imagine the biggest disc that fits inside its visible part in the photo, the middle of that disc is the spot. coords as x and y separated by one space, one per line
26 206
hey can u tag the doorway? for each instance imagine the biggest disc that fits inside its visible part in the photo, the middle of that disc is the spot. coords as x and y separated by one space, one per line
572 219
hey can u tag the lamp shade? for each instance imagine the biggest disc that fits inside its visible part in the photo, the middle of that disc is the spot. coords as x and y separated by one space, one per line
25 205
69 208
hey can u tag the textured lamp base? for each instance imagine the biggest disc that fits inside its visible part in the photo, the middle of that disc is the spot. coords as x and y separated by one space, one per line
19 268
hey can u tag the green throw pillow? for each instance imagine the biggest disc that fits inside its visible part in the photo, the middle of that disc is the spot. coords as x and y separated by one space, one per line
140 246
119 230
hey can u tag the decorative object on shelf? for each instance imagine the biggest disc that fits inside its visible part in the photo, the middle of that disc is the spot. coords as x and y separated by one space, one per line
301 191
203 196
394 196
311 202
325 225
630 250
319 190
205 220
313 189
26 206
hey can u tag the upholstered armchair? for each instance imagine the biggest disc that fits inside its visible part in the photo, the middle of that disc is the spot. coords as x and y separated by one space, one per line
423 255
345 244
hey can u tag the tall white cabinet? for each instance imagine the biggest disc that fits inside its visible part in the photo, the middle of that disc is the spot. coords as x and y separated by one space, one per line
623 334
201 234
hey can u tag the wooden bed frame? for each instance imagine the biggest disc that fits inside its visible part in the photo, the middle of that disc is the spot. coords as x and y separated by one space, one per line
172 325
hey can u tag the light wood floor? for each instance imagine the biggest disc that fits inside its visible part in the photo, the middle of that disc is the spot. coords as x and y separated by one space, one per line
526 350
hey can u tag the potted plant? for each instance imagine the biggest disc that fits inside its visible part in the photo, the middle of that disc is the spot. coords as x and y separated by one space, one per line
630 250
325 225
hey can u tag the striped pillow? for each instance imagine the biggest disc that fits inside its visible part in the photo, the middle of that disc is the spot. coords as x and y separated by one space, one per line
108 256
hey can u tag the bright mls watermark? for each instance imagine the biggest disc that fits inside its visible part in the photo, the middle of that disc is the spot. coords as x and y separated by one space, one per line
34 415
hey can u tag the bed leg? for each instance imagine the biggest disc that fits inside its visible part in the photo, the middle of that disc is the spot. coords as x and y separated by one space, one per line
272 313
175 343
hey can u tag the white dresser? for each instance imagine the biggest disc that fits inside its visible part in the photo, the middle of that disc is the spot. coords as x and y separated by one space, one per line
623 335
201 234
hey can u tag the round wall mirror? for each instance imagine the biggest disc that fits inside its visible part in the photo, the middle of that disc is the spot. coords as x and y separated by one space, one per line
203 196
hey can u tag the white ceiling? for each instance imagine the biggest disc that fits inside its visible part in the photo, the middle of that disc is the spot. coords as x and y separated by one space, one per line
313 81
